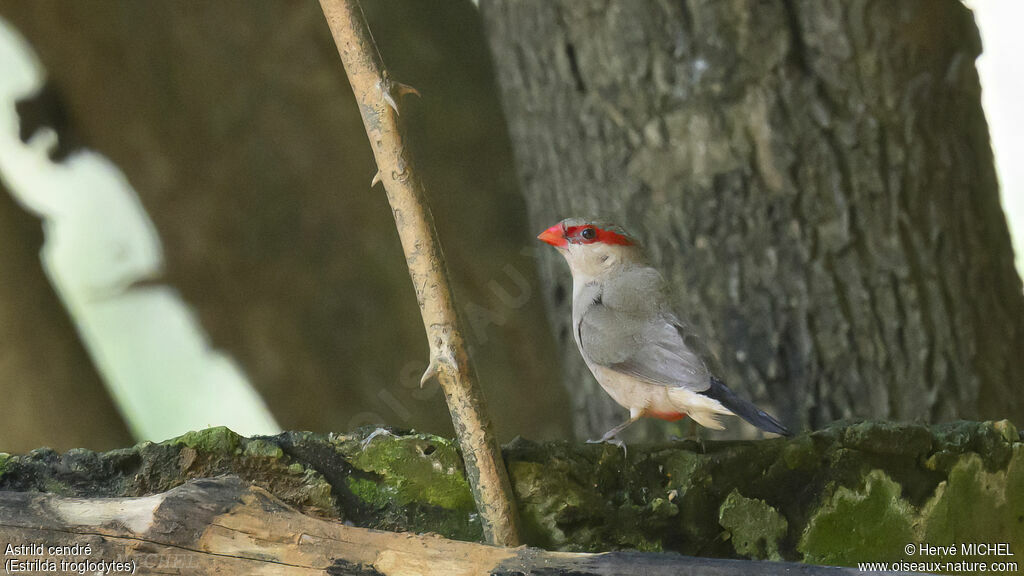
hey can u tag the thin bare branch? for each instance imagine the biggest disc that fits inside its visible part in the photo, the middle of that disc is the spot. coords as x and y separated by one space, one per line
379 98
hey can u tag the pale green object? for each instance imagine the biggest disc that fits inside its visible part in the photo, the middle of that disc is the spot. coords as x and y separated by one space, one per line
874 523
755 528
974 505
146 343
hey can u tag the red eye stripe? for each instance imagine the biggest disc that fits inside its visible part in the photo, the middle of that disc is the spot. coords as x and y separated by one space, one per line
603 236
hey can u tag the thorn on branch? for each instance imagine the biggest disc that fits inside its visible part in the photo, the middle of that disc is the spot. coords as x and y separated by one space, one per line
377 178
430 373
388 88
488 477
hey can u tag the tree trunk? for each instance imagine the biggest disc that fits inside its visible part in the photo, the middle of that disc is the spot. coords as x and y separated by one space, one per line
814 179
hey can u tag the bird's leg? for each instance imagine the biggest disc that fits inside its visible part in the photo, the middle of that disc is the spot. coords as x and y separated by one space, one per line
378 432
699 437
609 436
614 431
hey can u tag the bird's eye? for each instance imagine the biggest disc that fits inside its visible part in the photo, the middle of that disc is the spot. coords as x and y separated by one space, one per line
588 234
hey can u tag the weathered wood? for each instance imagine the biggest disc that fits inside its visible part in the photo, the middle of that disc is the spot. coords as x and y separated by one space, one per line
814 178
377 95
840 496
225 526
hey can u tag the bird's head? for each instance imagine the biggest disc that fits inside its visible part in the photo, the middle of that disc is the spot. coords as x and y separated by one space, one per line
592 247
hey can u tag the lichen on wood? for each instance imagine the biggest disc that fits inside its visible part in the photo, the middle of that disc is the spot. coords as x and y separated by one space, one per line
224 526
828 496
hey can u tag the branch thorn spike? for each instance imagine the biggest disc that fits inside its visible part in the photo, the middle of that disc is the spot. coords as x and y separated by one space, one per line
387 86
430 372
405 89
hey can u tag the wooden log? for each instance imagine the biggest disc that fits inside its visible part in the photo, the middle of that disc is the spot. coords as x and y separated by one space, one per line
225 526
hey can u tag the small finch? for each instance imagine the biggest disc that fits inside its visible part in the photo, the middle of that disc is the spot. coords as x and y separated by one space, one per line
633 342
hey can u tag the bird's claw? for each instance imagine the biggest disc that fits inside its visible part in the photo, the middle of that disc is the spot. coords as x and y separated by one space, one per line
613 441
378 432
430 372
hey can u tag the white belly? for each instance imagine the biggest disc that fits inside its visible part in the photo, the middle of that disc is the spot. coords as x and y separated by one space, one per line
644 398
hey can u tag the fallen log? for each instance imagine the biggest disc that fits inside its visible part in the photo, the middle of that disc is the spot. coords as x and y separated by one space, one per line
226 526
845 495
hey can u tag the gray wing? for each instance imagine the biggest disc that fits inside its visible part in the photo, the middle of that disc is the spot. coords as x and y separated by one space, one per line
629 331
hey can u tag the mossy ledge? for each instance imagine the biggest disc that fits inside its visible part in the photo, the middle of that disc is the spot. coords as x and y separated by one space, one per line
833 496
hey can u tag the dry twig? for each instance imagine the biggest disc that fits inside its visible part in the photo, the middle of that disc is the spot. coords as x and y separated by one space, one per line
376 95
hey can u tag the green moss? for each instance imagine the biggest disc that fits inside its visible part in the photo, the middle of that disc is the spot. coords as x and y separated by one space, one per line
662 509
874 524
418 468
800 454
641 544
682 470
548 497
974 505
369 491
755 528
217 440
848 493
54 486
1007 430
260 448
317 492
895 438
218 450
993 441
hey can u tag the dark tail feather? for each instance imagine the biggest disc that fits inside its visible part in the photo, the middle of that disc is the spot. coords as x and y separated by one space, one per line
746 410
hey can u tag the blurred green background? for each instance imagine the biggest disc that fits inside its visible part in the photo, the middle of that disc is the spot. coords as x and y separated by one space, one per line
234 123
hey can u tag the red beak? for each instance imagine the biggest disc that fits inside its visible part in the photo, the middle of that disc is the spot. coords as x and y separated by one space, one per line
553 236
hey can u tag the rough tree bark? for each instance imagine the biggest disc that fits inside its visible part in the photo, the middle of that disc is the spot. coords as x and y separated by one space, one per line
814 178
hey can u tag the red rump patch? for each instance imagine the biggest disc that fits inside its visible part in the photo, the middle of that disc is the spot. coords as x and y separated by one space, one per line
575 233
669 416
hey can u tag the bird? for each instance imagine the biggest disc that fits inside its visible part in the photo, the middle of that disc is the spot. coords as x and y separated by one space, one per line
636 346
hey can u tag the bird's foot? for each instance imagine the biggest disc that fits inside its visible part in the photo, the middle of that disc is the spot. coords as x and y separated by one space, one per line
610 440
378 432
